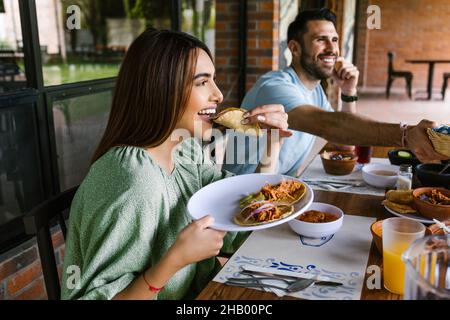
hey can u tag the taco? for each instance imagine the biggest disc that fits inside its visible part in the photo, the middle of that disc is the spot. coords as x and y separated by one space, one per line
271 203
400 196
232 118
262 212
398 207
287 191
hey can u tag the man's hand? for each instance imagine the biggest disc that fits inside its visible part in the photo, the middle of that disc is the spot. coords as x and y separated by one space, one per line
346 76
418 142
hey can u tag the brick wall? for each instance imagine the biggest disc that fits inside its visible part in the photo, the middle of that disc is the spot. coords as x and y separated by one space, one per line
226 59
262 44
362 41
262 39
413 29
21 273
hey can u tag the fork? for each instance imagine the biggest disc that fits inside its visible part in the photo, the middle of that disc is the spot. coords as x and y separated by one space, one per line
294 286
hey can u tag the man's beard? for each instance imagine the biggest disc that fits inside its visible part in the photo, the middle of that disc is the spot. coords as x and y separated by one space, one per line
312 68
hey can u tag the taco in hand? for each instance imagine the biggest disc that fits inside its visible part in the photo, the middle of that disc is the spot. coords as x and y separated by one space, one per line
271 203
232 118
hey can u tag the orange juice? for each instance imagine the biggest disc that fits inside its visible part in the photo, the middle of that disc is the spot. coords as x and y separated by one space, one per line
394 270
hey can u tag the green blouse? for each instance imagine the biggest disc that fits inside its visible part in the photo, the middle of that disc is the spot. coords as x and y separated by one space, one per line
126 215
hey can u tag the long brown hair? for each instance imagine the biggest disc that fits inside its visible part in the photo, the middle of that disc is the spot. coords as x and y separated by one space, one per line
152 90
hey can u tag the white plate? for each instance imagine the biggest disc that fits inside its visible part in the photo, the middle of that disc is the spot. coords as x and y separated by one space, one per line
413 216
221 200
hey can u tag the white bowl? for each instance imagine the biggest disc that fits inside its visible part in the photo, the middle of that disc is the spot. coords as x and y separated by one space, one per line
318 230
380 181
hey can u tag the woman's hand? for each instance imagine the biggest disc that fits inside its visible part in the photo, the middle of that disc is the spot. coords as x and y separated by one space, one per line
270 116
197 242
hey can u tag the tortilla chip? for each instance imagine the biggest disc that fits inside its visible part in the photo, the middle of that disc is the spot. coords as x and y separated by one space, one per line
232 117
400 208
400 196
240 217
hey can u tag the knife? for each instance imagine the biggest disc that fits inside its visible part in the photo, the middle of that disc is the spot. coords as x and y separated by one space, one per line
280 276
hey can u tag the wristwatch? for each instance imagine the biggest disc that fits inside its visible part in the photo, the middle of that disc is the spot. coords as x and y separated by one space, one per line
346 98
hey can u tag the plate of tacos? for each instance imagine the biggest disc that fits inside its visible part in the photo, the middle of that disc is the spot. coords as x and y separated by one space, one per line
251 201
401 204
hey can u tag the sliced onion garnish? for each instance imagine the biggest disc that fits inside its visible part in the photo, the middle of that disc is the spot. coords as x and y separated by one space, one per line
260 209
254 202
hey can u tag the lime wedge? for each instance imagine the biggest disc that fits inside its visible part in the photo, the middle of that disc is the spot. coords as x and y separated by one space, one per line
404 154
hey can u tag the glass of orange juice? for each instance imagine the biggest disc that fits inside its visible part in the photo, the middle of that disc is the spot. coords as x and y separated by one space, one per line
397 234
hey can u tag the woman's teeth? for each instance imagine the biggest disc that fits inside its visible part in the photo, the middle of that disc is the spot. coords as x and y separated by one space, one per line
207 111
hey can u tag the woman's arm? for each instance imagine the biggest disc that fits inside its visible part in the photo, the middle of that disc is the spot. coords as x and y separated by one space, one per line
157 276
275 120
208 244
270 159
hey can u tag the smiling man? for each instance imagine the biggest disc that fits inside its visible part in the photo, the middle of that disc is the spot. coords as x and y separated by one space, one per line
314 44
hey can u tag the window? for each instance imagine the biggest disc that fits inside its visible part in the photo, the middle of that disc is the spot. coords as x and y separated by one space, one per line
79 124
87 39
12 68
20 165
198 19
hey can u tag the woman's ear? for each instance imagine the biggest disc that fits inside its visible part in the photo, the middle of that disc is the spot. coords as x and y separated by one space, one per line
295 48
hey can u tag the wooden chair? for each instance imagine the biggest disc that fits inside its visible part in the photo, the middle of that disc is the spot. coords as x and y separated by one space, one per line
444 84
38 222
392 74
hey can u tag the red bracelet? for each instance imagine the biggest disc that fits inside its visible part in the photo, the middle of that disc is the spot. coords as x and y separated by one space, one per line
150 287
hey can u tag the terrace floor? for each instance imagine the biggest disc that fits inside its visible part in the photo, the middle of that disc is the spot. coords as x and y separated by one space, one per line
399 108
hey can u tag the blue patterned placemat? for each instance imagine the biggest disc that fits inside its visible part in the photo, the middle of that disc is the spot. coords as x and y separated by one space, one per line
342 257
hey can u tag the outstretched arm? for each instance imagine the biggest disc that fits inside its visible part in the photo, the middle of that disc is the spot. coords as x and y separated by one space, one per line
354 129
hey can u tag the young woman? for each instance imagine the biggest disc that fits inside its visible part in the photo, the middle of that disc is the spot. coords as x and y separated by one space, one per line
130 235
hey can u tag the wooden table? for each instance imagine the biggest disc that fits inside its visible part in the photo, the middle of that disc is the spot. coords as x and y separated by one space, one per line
351 204
431 63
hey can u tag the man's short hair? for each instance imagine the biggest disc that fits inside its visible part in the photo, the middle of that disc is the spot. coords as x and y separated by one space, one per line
298 27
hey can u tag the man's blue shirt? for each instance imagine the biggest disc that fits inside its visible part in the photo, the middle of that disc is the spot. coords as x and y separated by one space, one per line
276 87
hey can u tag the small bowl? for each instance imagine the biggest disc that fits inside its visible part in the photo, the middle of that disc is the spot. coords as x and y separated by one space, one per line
376 230
429 176
397 160
338 167
318 230
428 210
372 175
